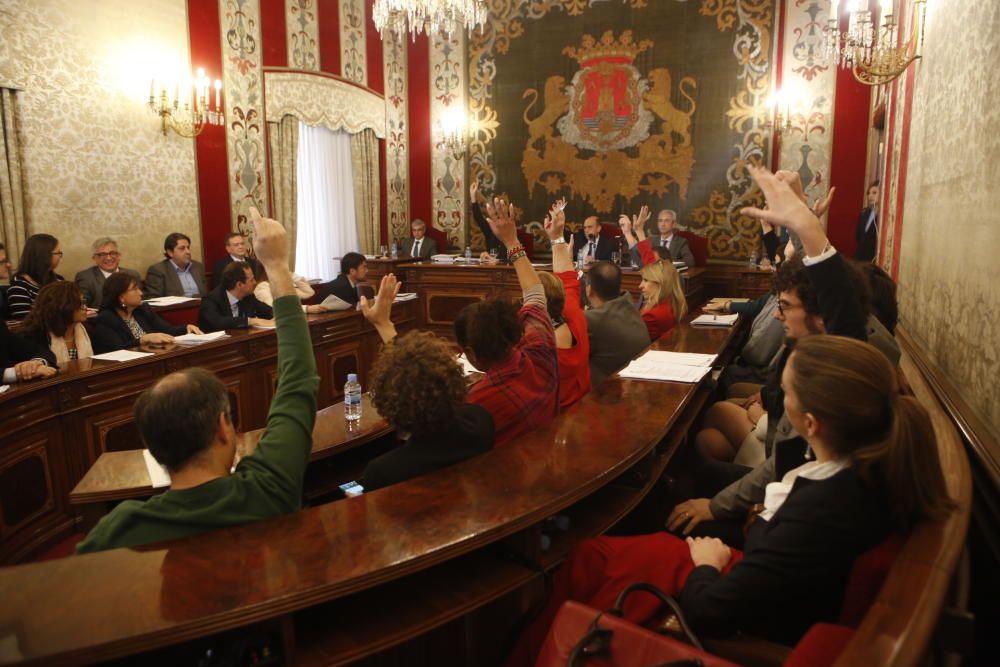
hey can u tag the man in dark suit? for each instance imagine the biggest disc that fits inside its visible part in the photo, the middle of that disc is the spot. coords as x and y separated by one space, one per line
236 251
106 261
616 329
677 245
866 232
353 270
178 274
22 359
232 304
590 245
420 246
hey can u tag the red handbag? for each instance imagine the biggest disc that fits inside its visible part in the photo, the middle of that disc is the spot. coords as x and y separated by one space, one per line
581 635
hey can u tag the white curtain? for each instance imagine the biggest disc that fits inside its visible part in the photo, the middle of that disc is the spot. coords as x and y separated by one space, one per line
326 212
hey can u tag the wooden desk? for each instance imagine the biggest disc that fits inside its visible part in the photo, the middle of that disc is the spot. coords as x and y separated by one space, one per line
726 280
420 548
181 313
54 430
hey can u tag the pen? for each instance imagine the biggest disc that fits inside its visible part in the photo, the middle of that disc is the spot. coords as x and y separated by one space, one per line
715 317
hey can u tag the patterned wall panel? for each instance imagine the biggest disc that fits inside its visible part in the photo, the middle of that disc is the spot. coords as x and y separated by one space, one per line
450 194
806 147
676 143
397 130
353 47
240 25
303 34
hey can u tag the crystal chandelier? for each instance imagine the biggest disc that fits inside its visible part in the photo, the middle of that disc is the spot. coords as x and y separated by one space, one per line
871 51
432 17
190 109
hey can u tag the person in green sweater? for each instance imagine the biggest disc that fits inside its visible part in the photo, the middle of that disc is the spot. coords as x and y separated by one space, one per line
185 422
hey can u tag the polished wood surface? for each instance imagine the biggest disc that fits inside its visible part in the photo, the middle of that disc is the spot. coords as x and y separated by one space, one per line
137 599
122 475
55 429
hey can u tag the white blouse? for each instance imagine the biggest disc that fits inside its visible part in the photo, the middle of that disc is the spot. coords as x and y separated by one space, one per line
776 492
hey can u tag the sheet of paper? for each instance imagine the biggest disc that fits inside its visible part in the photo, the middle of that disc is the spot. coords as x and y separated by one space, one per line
405 296
264 326
334 302
122 355
680 358
4 387
168 300
467 366
710 320
197 339
444 258
158 475
648 369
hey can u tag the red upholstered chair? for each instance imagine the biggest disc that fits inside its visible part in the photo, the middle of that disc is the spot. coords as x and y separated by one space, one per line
440 237
699 246
611 231
867 576
528 241
820 647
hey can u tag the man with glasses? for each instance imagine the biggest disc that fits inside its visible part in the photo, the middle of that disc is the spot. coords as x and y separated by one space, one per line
106 261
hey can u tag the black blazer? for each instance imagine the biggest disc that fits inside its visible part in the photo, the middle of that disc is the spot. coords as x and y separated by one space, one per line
216 315
867 241
470 434
109 331
340 287
15 348
491 240
605 246
795 566
221 265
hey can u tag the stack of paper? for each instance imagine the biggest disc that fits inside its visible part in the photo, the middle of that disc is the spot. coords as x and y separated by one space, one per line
122 355
265 326
158 475
710 320
405 296
334 302
169 300
198 339
4 387
448 259
669 366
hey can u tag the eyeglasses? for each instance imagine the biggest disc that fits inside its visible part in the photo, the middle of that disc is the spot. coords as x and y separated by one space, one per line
785 305
102 255
57 252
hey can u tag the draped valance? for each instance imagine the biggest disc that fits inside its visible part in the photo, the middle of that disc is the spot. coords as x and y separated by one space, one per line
318 100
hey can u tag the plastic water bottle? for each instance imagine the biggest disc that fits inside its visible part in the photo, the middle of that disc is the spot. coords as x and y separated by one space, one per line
468 253
352 398
394 251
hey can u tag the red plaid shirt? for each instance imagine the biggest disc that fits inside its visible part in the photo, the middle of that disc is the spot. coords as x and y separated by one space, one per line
522 393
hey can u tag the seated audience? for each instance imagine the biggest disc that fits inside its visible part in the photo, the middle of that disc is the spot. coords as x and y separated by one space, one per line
876 471
125 321
562 297
516 349
22 359
617 331
302 289
178 274
663 301
591 246
232 305
675 244
4 276
37 268
236 251
56 322
763 343
106 263
420 246
184 419
420 389
353 270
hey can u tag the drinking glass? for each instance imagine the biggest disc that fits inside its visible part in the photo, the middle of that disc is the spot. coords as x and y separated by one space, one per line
493 255
383 251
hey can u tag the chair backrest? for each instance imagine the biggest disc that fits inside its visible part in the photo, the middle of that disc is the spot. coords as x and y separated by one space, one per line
440 237
699 246
611 231
867 576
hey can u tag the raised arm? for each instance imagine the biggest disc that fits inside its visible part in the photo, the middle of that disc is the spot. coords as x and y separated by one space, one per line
562 252
785 208
501 221
378 313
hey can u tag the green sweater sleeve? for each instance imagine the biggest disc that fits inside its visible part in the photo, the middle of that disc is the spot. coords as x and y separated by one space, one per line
277 467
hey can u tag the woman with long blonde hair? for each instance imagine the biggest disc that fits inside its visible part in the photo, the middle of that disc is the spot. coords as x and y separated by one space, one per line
663 302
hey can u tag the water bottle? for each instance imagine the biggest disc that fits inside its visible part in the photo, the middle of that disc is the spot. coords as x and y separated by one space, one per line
468 253
352 398
394 250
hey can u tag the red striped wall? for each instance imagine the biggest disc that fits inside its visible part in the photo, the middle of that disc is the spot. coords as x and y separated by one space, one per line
419 99
273 34
328 12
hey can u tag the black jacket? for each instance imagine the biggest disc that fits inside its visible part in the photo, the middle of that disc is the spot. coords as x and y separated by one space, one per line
605 246
215 313
109 331
340 287
221 265
470 434
867 241
15 348
491 240
795 566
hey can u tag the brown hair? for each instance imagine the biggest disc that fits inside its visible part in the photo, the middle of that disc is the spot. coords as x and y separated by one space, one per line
418 385
851 388
54 307
36 258
490 328
668 286
555 294
116 285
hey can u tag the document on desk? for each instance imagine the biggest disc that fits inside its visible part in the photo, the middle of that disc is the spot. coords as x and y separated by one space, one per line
334 302
168 300
158 475
680 358
4 387
198 339
649 367
709 320
466 365
122 355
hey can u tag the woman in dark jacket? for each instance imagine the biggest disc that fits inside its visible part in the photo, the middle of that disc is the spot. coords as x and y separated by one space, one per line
125 321
37 268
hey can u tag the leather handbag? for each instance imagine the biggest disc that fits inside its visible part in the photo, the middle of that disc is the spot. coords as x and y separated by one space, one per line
581 635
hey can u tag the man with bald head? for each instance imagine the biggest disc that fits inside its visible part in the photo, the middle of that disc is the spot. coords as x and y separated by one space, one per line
185 421
590 245
675 244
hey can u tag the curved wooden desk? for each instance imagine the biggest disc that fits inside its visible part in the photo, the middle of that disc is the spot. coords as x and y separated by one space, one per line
357 551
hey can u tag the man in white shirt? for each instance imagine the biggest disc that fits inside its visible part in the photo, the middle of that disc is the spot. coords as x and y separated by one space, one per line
420 246
106 258
676 245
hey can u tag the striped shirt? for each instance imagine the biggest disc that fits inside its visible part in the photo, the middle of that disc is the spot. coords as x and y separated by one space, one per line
522 393
20 296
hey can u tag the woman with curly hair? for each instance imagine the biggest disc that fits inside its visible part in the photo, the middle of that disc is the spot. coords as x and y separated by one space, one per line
420 389
56 322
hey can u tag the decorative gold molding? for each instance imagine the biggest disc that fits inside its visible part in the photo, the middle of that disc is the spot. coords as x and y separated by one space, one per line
321 100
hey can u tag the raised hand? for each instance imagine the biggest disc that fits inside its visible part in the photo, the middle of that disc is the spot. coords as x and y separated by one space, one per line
555 221
786 206
823 205
270 240
626 224
378 313
642 219
500 215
